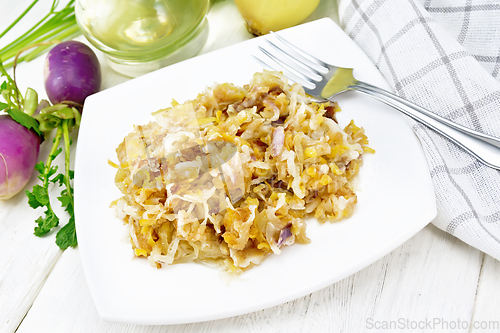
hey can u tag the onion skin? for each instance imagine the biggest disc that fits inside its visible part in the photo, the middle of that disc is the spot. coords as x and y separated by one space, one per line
19 149
278 141
71 73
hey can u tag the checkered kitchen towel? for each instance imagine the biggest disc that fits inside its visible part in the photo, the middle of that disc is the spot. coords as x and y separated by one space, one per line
445 56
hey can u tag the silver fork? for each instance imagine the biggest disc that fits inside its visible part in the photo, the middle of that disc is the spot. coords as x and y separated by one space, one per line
323 81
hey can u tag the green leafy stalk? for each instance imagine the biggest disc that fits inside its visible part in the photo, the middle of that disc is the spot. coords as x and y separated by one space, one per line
39 196
66 237
64 118
9 90
57 25
18 19
50 21
40 37
16 103
30 102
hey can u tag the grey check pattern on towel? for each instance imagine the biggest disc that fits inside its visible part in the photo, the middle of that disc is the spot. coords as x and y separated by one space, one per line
445 56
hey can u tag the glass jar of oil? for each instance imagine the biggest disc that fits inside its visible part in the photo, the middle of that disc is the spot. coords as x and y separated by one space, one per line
139 36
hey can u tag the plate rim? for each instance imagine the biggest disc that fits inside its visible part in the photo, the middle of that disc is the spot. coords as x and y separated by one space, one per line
106 314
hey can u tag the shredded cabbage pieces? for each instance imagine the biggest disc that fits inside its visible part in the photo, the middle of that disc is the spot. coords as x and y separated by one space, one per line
230 177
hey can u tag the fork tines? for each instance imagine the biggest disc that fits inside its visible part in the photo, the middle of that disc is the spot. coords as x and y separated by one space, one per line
295 63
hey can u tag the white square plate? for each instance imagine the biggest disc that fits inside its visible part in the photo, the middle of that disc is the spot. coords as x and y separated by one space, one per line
395 195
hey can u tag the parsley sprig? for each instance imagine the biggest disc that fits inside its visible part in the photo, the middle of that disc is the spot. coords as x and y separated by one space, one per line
39 196
48 174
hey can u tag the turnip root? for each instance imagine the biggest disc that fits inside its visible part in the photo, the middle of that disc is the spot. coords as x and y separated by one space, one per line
72 72
19 148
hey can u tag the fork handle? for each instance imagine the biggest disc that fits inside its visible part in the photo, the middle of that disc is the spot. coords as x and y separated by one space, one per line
484 147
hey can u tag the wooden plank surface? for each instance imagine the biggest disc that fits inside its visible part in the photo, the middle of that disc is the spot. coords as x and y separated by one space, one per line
486 316
432 276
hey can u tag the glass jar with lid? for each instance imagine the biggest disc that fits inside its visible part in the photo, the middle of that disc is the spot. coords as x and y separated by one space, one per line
139 36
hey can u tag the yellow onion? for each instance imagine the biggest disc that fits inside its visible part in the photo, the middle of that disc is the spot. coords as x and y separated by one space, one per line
263 16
